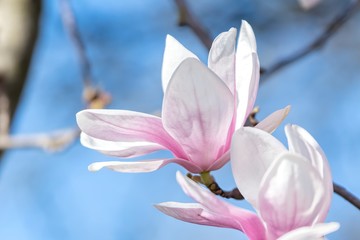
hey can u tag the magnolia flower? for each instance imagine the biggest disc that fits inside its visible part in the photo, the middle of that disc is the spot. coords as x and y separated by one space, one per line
290 189
202 107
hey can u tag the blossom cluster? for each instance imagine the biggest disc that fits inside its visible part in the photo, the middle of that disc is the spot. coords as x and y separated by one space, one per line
204 112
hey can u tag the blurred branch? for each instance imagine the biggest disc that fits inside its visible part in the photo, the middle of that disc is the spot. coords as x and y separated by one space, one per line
348 196
330 30
19 26
52 141
93 96
186 18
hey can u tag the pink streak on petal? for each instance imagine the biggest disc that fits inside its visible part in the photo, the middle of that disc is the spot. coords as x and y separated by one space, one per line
247 73
174 54
197 112
142 166
126 126
271 122
315 232
194 213
220 162
301 142
119 149
222 212
222 58
252 152
291 194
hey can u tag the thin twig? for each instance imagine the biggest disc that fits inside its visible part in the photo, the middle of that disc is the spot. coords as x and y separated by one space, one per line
187 19
93 96
330 30
348 196
71 26
208 180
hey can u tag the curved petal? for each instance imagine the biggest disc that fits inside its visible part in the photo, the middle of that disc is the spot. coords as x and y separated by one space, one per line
301 142
142 166
119 149
197 112
126 126
291 194
315 232
271 122
174 54
196 213
252 152
220 162
222 57
221 212
247 73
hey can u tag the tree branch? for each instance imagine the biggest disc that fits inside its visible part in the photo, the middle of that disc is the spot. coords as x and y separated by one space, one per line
186 18
330 30
346 195
93 96
208 180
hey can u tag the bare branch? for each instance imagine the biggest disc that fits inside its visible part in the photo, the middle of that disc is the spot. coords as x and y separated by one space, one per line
208 180
346 195
187 19
330 30
51 141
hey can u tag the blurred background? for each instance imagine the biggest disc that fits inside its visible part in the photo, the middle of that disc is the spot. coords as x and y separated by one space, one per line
47 194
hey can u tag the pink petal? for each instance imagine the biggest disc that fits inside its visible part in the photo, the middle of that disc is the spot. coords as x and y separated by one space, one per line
126 126
315 232
291 194
174 54
193 213
271 122
247 73
119 149
143 166
301 142
252 152
221 212
220 162
197 112
222 57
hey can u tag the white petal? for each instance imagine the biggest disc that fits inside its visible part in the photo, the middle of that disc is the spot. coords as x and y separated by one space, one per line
119 149
301 142
197 112
315 232
252 152
142 166
271 122
291 194
222 57
174 54
247 73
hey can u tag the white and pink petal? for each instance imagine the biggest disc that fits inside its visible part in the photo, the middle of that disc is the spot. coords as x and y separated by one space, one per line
290 195
197 112
126 126
119 149
174 54
252 152
141 166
